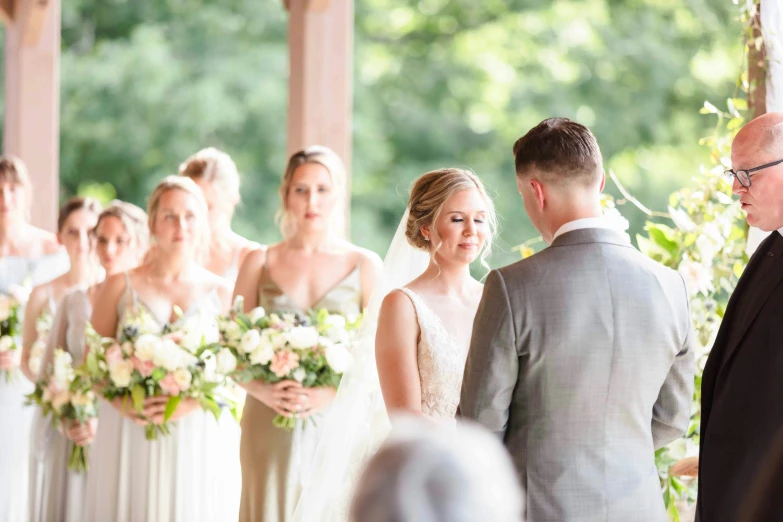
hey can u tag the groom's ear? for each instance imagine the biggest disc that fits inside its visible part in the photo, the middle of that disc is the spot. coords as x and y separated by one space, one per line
603 180
539 192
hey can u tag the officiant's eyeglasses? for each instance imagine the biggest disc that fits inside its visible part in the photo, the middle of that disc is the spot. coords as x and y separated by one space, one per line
743 176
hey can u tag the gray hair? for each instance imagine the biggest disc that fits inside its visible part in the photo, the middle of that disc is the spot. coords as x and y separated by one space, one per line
429 473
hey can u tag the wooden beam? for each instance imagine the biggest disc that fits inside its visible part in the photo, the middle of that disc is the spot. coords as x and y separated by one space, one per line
321 77
32 106
35 20
7 11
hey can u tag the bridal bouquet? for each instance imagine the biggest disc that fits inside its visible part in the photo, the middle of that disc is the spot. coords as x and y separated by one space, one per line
144 362
311 350
10 328
42 326
66 395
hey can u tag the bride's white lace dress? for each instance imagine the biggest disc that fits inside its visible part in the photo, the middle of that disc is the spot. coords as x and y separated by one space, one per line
441 363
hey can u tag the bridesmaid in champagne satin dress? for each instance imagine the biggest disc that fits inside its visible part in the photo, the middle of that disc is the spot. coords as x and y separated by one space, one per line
312 268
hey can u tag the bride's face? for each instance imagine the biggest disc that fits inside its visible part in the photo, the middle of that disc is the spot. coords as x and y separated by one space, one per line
461 228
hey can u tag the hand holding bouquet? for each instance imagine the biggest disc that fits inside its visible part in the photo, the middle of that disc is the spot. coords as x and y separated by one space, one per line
177 363
66 395
311 350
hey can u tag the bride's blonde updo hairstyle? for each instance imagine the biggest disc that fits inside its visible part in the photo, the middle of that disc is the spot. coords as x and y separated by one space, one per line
216 168
428 195
328 159
189 186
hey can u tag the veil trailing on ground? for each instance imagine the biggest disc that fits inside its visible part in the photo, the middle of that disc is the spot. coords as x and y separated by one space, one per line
357 422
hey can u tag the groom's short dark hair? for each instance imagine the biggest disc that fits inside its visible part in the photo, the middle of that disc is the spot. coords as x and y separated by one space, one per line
561 150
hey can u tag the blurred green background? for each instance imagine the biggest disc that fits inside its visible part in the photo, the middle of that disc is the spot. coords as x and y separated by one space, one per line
145 83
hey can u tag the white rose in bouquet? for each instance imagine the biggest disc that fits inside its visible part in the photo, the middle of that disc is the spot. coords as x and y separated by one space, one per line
36 356
250 341
256 313
210 367
299 374
147 346
233 332
120 373
226 362
183 378
197 330
303 337
263 353
6 343
62 369
338 358
335 321
82 399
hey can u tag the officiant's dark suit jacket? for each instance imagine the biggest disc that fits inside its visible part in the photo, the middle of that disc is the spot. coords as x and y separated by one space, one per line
742 388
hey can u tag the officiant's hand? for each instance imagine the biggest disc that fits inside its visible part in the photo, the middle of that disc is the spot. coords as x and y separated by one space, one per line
316 400
284 398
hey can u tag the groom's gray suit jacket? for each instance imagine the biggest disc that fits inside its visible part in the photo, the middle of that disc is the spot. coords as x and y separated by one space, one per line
581 360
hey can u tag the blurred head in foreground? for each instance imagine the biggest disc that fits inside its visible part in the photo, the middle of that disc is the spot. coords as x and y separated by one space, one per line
430 473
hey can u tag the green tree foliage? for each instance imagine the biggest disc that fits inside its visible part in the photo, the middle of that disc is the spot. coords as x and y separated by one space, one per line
437 83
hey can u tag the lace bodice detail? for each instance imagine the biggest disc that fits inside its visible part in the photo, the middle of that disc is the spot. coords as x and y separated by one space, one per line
441 363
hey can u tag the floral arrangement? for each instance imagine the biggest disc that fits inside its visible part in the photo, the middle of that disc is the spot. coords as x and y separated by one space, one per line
178 362
42 327
66 395
10 328
311 350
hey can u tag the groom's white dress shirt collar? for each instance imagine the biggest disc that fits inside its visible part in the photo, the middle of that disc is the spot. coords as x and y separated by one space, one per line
780 231
594 222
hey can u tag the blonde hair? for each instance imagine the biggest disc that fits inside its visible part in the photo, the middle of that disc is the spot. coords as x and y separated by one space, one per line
328 159
216 168
14 171
189 186
133 219
428 195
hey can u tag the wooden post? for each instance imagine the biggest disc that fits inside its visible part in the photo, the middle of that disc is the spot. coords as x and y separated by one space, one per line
32 100
320 89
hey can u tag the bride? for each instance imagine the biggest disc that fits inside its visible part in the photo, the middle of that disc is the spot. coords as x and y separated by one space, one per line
411 349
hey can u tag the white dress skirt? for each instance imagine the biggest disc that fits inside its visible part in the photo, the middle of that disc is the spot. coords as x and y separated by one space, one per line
16 418
192 475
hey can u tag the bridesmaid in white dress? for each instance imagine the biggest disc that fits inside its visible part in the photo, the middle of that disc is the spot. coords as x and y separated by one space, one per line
216 173
75 222
120 239
189 475
29 254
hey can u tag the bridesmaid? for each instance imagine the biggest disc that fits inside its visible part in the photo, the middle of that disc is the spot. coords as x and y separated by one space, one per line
120 239
188 475
312 268
215 172
30 254
75 221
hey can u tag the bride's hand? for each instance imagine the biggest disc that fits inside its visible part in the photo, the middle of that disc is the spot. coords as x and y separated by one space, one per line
284 398
8 360
317 400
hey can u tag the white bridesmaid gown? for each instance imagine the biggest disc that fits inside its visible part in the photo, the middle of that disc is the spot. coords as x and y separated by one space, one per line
192 475
16 418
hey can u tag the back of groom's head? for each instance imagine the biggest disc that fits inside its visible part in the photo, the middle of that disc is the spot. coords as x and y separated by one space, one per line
559 151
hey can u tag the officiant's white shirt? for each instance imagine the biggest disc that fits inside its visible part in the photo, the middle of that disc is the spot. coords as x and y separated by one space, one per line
595 222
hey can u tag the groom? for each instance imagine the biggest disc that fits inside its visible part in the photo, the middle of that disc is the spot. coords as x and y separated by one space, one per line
581 357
